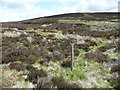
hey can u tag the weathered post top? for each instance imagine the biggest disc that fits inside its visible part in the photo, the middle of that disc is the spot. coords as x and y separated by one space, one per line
72 40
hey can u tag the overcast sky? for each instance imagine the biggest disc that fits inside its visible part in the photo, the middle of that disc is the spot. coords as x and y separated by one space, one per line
14 10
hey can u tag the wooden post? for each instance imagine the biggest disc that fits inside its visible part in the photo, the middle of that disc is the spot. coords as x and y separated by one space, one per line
72 55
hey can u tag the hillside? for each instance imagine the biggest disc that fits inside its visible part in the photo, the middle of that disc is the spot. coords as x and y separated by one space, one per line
37 52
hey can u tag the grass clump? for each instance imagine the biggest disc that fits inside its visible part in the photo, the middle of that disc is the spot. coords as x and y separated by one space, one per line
11 78
86 72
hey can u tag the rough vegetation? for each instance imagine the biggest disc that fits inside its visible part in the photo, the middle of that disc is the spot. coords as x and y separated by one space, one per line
36 53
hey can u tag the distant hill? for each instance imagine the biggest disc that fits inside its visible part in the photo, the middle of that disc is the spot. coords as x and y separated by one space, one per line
80 15
76 16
